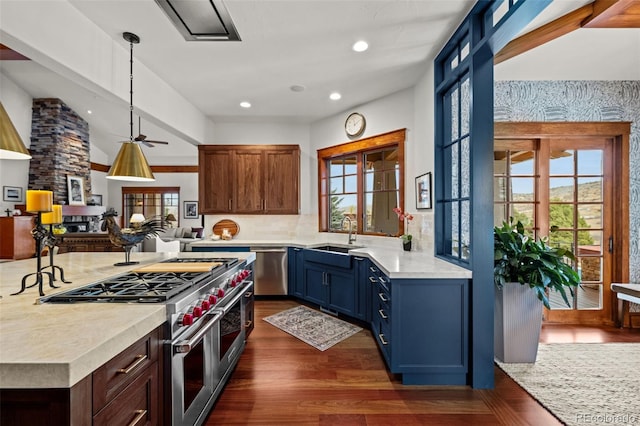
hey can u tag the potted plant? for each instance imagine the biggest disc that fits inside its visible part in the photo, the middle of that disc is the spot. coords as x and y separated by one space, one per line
524 271
406 217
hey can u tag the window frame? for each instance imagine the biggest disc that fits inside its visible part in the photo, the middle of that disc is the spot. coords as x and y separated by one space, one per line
162 190
358 148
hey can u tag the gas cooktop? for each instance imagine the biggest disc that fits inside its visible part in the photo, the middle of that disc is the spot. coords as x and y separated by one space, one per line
143 287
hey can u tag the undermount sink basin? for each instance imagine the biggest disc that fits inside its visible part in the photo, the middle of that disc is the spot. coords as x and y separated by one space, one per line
336 249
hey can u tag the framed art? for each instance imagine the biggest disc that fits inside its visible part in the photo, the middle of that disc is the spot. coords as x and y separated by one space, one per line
75 189
190 210
423 191
12 194
95 200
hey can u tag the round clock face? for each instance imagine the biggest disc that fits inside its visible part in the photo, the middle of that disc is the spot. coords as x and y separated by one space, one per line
354 125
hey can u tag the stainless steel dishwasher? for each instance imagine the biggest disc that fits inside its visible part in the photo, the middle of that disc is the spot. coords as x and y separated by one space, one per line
270 271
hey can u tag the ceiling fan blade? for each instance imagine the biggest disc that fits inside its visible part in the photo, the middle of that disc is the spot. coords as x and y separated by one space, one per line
146 143
140 137
158 142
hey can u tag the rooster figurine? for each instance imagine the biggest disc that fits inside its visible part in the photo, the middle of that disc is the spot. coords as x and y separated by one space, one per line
127 238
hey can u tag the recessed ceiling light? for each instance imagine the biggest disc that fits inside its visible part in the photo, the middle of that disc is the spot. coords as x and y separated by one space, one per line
335 96
297 88
245 104
360 46
89 111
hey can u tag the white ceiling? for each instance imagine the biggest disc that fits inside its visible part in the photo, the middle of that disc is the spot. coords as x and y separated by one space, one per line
284 43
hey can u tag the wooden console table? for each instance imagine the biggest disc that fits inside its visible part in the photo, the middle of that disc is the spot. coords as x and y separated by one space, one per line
86 241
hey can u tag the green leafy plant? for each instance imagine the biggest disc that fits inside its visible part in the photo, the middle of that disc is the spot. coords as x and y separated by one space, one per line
520 258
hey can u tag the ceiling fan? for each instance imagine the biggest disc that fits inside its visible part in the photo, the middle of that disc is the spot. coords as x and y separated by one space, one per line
143 138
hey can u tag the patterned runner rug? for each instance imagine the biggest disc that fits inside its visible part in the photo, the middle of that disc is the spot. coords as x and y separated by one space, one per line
584 383
313 327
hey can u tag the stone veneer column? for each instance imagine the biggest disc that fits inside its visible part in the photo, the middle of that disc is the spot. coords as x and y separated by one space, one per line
59 147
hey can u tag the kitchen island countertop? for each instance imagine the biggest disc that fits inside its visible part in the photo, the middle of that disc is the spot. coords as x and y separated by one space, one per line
57 345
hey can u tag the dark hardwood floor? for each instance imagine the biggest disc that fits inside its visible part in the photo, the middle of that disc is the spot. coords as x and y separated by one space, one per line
281 380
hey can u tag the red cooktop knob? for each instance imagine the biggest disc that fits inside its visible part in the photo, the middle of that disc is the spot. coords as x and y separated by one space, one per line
220 293
234 282
185 319
205 305
213 299
197 311
245 273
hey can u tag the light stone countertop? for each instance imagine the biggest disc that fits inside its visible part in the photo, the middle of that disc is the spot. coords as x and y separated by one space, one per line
57 345
391 259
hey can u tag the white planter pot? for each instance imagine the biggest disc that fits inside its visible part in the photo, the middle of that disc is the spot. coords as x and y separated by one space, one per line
517 322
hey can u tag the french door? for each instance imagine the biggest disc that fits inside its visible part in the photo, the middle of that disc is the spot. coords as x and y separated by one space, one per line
562 187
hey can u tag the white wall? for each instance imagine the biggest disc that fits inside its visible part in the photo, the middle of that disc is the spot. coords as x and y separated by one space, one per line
17 103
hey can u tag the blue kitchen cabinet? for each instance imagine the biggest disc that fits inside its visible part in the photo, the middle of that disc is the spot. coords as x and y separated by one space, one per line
202 249
421 327
361 267
295 271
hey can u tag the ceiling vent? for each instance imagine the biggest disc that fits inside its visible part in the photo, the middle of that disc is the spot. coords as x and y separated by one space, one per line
201 20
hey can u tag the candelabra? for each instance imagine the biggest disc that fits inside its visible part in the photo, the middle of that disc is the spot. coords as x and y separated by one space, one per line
38 202
53 218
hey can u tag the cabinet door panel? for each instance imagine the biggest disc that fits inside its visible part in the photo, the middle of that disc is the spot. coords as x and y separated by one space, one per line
281 193
214 179
342 292
248 182
314 283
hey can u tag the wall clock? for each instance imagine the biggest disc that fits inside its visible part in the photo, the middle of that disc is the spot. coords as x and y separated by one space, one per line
354 124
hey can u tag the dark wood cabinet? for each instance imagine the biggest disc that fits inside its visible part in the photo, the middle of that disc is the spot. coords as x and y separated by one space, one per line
125 390
249 179
16 241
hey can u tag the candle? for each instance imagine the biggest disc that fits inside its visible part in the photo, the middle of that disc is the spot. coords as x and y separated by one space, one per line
54 217
39 201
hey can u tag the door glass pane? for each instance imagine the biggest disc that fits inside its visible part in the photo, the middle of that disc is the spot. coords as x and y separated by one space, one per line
589 296
591 243
590 268
336 184
454 115
500 214
557 302
589 216
522 163
525 213
455 234
350 166
350 184
590 162
561 215
522 189
465 107
561 189
342 205
561 163
466 229
590 189
500 189
563 239
336 167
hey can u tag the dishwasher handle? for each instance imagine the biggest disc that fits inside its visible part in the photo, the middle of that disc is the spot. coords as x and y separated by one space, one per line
268 250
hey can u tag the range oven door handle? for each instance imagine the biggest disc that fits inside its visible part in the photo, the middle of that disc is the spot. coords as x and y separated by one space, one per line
184 346
224 309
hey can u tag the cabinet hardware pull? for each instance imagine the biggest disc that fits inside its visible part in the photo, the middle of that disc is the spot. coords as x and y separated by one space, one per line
141 414
382 280
373 279
248 323
139 360
229 204
381 312
382 297
373 269
248 294
384 342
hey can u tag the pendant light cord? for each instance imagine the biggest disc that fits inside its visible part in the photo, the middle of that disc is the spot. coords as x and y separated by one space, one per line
131 93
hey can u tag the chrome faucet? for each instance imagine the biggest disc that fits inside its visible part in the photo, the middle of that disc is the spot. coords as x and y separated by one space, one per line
347 218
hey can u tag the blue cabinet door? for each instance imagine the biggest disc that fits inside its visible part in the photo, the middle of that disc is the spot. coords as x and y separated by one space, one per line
341 290
362 288
295 271
315 287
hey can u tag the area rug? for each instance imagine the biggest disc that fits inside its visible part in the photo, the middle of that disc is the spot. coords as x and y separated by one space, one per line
313 327
584 383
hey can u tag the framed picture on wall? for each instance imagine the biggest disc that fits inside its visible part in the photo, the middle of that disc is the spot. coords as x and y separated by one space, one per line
423 191
95 200
190 210
75 189
12 194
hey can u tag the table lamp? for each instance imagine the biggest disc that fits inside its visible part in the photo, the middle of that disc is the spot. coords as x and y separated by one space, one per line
39 202
53 218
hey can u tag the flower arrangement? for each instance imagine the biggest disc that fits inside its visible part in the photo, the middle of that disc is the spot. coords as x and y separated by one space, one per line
406 217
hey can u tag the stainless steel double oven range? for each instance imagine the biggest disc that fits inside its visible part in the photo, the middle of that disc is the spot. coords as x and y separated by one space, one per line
208 317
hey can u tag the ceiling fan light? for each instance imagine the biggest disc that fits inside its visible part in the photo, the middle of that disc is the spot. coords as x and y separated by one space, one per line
11 145
131 165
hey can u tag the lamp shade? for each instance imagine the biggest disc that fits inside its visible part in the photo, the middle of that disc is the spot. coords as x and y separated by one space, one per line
39 201
131 165
11 145
54 217
136 218
170 218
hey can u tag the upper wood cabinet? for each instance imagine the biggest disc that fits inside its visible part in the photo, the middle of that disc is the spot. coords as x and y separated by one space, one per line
249 179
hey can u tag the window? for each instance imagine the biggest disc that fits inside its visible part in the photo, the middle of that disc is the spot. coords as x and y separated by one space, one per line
151 202
360 184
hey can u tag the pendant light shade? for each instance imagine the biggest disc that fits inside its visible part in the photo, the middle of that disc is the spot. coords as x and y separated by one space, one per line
131 164
11 145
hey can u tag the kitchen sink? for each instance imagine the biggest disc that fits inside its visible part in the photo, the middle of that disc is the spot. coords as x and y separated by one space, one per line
336 249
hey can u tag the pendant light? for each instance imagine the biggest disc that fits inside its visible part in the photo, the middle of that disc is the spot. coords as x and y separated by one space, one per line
11 145
130 163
